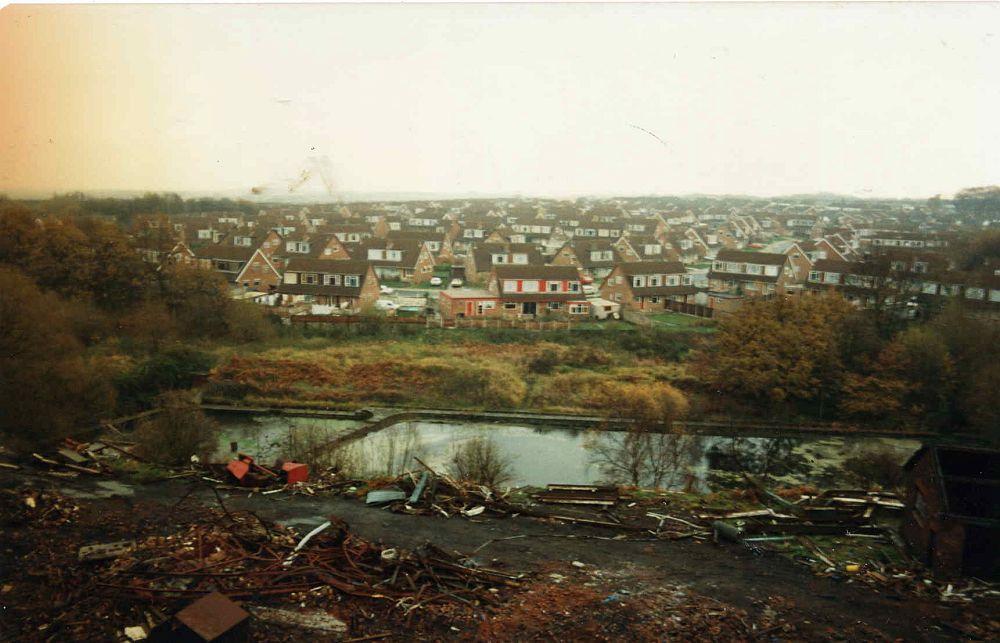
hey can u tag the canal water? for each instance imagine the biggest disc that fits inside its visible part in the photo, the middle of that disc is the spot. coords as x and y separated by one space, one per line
536 456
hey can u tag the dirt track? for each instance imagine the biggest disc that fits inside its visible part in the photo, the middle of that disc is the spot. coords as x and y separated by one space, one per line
730 574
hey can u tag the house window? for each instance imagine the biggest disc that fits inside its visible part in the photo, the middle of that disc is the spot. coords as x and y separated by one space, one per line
814 275
654 300
975 293
553 286
771 271
310 279
352 281
520 258
831 277
654 280
578 309
554 305
510 306
574 286
328 251
529 285
509 285
498 259
331 280
394 255
426 268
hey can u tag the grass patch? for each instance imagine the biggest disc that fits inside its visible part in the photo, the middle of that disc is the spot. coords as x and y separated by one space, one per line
140 472
474 368
684 323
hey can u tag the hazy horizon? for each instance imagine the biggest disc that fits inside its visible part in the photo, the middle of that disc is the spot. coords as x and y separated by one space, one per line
871 101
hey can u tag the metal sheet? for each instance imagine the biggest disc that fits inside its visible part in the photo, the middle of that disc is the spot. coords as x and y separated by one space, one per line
212 616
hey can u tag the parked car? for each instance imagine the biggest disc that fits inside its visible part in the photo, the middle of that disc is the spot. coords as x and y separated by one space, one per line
386 304
386 290
435 281
456 283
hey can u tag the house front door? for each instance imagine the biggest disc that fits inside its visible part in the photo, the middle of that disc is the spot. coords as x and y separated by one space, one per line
529 308
468 308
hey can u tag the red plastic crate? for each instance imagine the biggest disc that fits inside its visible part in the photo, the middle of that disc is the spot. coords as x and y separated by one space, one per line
296 471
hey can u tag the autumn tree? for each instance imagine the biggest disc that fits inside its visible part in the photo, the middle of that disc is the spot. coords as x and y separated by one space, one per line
773 352
117 276
196 298
912 378
49 388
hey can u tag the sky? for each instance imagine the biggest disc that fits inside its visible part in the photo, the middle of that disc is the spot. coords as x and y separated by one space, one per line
556 100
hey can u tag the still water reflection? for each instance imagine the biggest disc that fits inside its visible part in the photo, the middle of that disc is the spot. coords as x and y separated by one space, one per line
538 455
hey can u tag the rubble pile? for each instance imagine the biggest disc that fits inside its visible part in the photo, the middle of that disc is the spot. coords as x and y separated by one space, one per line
248 558
429 493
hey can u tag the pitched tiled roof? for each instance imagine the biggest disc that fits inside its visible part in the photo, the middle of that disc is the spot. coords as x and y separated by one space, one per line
483 253
742 256
226 252
555 273
410 249
652 268
329 266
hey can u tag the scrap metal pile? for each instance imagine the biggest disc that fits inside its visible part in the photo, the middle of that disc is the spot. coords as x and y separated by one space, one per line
833 512
247 558
430 493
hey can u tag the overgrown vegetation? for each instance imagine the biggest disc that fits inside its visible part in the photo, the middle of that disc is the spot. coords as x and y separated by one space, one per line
89 330
460 372
180 430
816 354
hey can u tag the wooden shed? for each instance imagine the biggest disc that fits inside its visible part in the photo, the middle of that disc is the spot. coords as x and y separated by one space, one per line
952 516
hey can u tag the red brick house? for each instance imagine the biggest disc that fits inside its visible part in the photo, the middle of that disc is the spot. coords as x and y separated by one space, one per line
480 261
593 257
647 286
259 273
439 243
228 260
756 274
406 260
529 291
345 285
473 303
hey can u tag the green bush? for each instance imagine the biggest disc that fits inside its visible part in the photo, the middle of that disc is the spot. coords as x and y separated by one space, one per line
174 368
